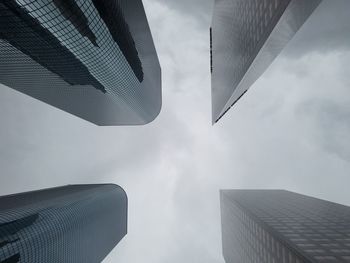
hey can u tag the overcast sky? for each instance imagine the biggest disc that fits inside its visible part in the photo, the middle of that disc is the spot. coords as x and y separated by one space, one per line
290 131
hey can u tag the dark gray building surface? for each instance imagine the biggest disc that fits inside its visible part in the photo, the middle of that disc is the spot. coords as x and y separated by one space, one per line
246 36
276 226
93 58
71 224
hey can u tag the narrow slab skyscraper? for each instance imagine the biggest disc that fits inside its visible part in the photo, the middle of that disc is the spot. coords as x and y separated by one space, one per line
78 223
246 36
276 226
92 58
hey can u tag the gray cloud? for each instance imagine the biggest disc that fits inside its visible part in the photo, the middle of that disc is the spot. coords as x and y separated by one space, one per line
327 30
194 8
331 126
172 169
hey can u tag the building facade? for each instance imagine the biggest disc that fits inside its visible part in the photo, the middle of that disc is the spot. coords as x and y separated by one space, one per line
73 224
275 226
246 36
92 58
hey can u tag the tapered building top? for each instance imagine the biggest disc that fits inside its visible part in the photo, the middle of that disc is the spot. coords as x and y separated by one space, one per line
246 36
92 58
278 226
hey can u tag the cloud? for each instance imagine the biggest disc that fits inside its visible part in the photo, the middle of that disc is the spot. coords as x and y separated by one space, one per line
327 30
197 9
290 131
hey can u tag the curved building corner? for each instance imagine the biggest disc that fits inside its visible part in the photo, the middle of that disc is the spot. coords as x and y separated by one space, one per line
92 58
74 223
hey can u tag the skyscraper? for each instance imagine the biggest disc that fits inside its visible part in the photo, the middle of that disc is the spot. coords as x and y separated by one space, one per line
246 36
79 223
276 226
92 58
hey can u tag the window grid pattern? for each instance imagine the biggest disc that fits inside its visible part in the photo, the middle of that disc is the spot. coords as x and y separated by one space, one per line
245 240
242 31
88 44
316 229
66 224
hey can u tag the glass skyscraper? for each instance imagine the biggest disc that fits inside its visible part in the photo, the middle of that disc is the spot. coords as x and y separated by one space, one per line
77 224
93 58
276 226
246 36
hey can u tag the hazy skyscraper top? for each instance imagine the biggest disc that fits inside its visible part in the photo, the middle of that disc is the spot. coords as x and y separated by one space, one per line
93 58
246 36
278 226
79 223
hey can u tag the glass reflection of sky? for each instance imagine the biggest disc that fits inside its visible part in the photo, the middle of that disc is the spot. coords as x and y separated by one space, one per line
105 62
